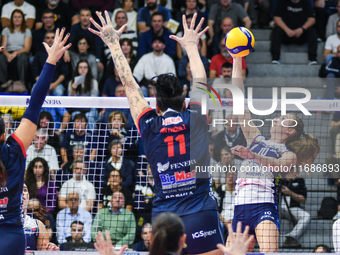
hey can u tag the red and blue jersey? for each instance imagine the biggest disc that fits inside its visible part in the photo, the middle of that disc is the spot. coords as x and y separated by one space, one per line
175 144
13 157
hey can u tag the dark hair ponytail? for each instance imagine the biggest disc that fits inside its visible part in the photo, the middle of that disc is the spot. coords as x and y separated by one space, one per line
167 229
305 146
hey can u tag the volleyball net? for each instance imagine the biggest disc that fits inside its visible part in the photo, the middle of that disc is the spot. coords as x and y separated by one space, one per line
82 159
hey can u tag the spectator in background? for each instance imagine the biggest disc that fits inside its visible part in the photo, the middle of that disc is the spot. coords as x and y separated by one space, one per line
17 41
117 161
40 148
294 21
182 64
87 88
64 15
227 161
332 22
8 119
81 136
191 8
225 9
322 248
40 34
61 71
98 5
78 183
231 136
46 122
144 18
333 75
154 63
73 212
114 183
332 43
76 241
120 222
82 53
145 244
259 13
157 30
61 118
67 170
295 193
27 9
130 12
129 51
81 29
180 51
227 24
217 61
40 185
334 130
187 80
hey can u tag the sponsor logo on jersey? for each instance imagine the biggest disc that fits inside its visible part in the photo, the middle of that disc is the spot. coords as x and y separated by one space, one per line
2 217
162 168
172 121
183 164
3 189
4 202
178 179
204 234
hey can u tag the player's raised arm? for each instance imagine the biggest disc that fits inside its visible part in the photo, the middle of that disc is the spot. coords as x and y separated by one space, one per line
110 37
28 125
190 41
249 130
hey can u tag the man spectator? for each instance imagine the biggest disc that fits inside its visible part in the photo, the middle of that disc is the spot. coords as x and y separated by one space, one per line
294 21
231 136
332 22
78 136
64 15
294 192
26 8
157 30
145 244
76 241
61 72
227 24
66 217
333 75
40 148
332 43
78 183
121 19
120 222
81 29
145 15
39 35
215 68
224 9
60 116
154 63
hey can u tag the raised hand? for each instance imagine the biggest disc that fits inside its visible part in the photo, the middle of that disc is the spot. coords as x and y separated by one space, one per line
243 152
191 36
105 247
238 242
106 32
58 48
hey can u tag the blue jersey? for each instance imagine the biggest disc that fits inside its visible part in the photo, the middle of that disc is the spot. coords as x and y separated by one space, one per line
13 157
175 144
31 228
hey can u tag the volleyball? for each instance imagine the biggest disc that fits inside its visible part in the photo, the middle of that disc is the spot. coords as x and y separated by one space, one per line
239 41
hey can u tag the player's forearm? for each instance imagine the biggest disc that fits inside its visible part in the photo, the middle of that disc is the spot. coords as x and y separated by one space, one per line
196 64
237 76
271 162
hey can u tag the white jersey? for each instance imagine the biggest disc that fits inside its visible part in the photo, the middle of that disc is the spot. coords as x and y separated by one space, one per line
255 183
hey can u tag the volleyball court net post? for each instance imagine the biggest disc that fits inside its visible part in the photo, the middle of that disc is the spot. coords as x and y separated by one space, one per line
84 158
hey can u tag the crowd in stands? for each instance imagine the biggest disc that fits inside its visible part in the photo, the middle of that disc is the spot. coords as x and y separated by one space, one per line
85 169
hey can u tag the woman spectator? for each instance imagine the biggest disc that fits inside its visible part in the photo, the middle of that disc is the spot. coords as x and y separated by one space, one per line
83 46
127 48
39 184
17 41
130 13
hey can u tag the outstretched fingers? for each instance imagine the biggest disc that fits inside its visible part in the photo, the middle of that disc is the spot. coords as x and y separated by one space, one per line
193 21
95 24
107 17
102 20
203 31
94 31
121 30
198 28
184 22
173 37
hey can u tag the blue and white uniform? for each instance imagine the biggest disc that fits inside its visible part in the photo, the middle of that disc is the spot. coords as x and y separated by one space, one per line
31 228
13 157
175 144
256 191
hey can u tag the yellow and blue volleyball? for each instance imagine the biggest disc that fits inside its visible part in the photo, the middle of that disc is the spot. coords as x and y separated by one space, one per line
239 41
